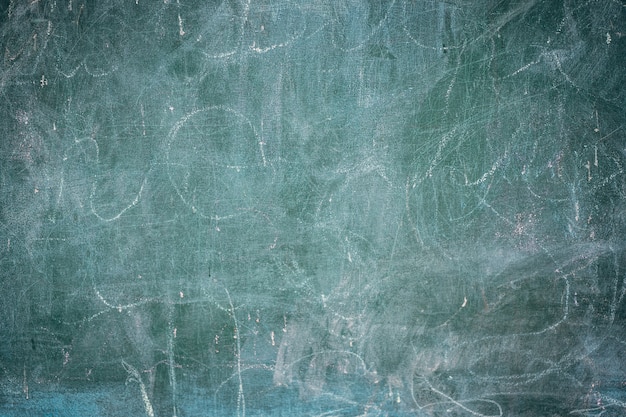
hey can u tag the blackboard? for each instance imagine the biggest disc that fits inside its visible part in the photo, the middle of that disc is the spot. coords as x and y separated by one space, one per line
327 207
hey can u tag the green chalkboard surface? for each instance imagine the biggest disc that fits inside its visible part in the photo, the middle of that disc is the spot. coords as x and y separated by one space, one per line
313 208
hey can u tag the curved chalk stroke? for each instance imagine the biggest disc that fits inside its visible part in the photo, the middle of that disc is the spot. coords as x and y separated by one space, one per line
351 207
206 150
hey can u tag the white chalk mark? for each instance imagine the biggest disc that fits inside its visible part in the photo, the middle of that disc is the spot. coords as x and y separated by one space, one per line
134 376
118 215
241 400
